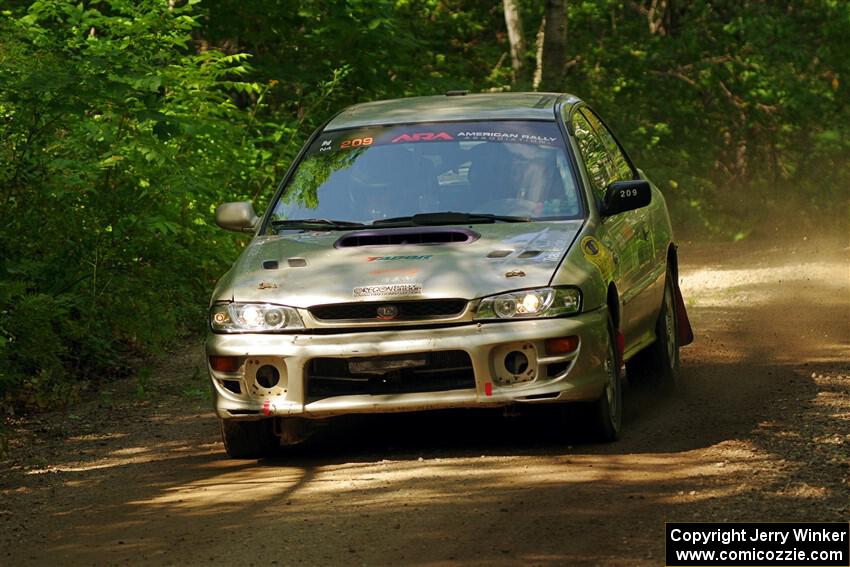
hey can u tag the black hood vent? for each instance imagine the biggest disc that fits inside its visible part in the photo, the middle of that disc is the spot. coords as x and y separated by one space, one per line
414 235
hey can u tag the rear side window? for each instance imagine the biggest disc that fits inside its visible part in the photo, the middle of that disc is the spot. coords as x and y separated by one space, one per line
506 167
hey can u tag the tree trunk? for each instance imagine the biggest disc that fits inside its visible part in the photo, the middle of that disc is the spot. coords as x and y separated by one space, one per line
515 37
658 17
538 67
554 44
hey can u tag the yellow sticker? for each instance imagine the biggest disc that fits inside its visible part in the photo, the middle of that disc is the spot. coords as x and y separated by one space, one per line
597 254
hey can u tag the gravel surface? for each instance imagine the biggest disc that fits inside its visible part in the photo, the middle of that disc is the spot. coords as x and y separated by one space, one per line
758 430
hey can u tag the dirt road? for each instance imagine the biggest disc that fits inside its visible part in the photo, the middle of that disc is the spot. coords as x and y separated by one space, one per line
759 429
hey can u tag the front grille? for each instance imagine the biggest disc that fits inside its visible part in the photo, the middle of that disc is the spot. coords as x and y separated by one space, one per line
442 371
407 310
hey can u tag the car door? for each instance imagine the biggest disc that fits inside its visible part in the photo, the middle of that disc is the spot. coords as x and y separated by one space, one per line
639 254
616 232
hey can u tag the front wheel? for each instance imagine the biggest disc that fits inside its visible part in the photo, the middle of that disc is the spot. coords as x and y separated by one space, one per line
607 411
248 439
658 364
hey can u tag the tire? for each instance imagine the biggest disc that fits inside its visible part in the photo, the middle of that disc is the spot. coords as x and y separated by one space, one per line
248 439
607 412
658 364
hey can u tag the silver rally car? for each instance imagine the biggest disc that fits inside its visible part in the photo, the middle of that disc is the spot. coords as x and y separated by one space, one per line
449 251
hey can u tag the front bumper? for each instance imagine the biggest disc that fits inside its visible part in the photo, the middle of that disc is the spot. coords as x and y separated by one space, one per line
576 376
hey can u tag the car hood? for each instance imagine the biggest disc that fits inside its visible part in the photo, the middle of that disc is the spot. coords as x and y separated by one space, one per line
305 269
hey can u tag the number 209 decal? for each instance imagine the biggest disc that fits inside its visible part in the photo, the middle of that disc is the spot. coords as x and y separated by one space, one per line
356 143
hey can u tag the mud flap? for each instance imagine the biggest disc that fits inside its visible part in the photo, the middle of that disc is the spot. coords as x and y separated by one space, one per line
683 324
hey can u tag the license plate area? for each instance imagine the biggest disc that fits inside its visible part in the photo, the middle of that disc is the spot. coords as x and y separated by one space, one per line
385 364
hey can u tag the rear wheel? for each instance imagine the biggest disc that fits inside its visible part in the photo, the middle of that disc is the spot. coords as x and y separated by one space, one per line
248 439
658 364
607 411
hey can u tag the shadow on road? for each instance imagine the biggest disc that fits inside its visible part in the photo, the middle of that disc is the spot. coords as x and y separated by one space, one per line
757 430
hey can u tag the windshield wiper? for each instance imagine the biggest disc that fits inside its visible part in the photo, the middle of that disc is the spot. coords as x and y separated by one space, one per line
448 217
315 224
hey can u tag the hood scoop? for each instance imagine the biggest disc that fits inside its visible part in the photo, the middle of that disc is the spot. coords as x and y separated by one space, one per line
291 262
421 236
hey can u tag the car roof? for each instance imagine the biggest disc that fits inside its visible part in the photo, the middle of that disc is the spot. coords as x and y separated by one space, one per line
452 107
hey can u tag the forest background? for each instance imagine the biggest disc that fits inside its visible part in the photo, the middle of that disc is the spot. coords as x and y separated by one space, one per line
123 123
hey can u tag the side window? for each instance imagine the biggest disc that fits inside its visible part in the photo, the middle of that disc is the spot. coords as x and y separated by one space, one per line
621 164
600 166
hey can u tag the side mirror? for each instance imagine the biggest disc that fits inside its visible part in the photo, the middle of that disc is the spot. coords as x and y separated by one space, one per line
238 216
622 196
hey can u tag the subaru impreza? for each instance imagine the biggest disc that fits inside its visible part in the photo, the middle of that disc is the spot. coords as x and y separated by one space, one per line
454 251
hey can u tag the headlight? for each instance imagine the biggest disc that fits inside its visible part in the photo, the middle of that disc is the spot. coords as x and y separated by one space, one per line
531 304
254 317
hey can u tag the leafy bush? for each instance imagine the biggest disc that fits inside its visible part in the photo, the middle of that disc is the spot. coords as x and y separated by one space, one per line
117 138
124 122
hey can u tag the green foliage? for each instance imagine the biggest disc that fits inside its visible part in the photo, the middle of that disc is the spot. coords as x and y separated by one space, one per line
143 376
323 56
197 386
738 109
124 122
117 139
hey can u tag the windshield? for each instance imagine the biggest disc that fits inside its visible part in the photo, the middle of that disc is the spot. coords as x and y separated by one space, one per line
492 168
